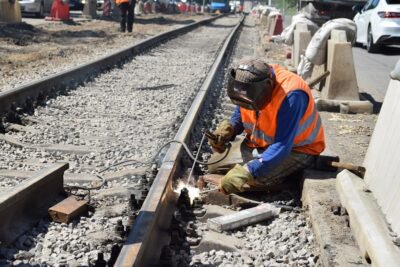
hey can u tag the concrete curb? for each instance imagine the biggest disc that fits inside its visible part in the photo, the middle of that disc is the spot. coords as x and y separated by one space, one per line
367 221
332 234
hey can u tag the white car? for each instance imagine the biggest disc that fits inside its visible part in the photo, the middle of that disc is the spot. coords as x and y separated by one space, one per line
37 7
378 23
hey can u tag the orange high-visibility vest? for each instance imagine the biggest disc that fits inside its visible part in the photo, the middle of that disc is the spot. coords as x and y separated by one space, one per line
261 131
118 2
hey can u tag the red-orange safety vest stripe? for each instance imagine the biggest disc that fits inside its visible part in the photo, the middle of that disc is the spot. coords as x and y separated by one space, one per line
309 137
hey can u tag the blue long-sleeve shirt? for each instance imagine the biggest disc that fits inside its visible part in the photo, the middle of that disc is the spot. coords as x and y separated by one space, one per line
289 116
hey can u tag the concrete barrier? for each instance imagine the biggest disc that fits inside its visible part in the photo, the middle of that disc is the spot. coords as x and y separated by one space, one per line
274 25
383 157
373 203
10 11
90 9
341 84
301 39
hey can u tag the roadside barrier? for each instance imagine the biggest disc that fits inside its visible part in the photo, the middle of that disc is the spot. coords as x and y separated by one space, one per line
139 8
147 8
90 9
373 202
301 39
59 11
10 11
107 8
341 89
182 7
274 24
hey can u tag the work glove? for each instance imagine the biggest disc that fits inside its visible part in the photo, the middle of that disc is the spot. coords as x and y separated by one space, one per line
235 179
223 134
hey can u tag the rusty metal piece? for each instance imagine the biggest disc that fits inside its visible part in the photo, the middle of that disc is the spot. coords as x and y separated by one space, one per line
318 79
68 209
200 183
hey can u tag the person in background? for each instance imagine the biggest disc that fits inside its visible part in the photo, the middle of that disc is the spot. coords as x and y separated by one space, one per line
283 130
127 8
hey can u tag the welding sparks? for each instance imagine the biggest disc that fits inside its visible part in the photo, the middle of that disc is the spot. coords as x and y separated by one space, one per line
193 191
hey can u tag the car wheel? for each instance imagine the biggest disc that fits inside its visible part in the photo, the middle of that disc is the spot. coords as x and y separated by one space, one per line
371 47
40 14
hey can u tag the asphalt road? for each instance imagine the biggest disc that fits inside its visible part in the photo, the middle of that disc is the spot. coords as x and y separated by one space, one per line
373 70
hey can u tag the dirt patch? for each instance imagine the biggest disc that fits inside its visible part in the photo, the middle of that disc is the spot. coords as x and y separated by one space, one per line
31 52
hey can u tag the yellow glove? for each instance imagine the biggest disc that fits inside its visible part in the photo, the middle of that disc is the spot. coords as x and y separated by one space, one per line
235 179
223 134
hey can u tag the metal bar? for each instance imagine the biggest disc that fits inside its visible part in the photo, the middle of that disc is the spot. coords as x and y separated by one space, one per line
22 205
150 230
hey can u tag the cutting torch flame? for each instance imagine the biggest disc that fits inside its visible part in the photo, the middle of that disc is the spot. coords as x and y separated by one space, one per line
193 191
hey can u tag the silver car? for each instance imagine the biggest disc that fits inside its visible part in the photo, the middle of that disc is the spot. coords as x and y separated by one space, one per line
37 7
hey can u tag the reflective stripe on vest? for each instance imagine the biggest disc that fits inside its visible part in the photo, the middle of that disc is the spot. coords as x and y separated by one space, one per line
258 134
311 138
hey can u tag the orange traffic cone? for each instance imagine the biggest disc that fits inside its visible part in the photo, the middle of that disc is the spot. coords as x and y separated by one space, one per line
59 11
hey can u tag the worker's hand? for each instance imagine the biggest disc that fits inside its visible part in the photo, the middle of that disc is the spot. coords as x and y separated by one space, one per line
235 179
223 134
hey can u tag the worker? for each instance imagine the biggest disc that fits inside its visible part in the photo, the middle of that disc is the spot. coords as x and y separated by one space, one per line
283 130
127 14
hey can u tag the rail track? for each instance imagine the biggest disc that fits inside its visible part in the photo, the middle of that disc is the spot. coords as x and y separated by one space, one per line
130 112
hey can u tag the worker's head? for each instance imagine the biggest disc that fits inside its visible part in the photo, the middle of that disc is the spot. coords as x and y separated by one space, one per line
251 84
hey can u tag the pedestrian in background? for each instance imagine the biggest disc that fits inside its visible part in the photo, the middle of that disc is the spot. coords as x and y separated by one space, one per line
127 8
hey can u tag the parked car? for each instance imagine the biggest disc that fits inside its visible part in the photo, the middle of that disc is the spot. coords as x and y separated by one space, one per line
220 5
378 23
36 7
320 11
75 4
99 4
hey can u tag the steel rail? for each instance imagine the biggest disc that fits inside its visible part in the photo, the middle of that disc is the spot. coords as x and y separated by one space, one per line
150 230
27 95
22 206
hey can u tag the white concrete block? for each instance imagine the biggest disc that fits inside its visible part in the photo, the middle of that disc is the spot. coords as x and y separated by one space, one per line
10 12
383 157
341 84
301 39
243 218
367 221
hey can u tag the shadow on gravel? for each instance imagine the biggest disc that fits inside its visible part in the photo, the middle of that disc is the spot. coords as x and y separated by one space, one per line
162 21
220 26
377 105
23 34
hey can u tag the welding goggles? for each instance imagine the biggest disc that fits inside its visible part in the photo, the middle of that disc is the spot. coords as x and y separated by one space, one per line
252 95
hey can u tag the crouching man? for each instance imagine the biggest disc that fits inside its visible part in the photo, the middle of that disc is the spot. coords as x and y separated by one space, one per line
283 130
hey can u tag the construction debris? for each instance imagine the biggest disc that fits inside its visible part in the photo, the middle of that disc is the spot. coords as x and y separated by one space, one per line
243 218
68 209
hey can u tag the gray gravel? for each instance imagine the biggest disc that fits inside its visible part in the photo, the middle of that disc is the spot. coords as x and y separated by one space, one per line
127 113
284 241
